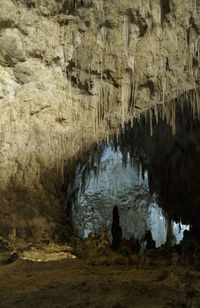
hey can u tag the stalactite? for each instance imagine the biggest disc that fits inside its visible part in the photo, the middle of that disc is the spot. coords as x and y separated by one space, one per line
76 108
198 102
96 113
38 174
117 135
173 123
151 122
167 111
126 31
135 91
156 113
164 82
101 85
146 116
182 105
126 93
132 119
163 114
107 139
70 89
193 103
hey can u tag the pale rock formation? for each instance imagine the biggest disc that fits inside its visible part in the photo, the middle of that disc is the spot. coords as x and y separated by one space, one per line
71 71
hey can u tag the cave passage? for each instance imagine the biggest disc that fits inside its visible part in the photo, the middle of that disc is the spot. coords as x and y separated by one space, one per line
151 173
124 187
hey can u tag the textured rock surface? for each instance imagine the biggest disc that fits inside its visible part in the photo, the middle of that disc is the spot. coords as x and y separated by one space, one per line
124 187
70 72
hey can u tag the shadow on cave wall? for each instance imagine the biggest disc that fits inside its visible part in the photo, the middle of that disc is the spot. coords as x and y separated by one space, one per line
172 160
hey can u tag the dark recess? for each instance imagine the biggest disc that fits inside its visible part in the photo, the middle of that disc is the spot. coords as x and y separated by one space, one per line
70 7
149 84
135 18
165 9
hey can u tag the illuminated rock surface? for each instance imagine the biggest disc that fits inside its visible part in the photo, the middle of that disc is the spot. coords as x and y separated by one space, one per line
124 187
72 72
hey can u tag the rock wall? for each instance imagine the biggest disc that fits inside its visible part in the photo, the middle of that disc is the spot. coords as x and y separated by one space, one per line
70 72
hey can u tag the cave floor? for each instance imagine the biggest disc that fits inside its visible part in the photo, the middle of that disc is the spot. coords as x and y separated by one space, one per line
73 283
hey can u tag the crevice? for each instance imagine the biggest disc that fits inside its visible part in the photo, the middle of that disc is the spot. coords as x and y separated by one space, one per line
165 9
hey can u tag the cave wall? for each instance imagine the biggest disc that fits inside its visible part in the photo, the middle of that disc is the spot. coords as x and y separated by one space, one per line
70 72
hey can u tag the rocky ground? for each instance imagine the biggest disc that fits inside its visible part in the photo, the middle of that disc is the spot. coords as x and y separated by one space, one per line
73 283
91 274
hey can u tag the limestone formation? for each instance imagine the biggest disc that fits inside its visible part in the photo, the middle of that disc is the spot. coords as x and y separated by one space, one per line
71 72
